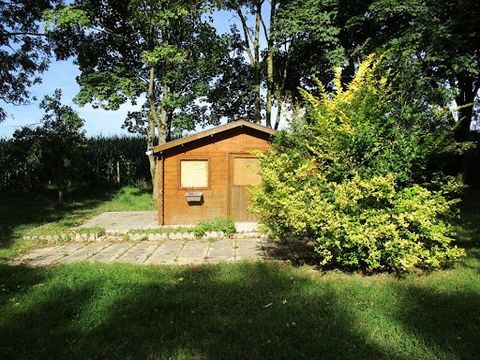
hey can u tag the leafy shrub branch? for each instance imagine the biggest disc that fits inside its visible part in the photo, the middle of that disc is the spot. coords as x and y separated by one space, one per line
357 175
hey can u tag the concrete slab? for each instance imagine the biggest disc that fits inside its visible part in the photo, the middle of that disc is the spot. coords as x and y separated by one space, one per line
56 254
246 227
123 221
111 253
248 249
194 252
153 252
37 253
139 252
221 250
84 253
166 253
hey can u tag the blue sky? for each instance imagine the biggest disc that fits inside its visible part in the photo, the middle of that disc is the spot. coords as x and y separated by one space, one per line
62 75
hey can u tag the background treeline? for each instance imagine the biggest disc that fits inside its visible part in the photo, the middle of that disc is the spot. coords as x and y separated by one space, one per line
187 71
95 163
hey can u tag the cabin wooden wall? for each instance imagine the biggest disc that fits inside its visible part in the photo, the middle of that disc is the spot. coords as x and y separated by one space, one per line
215 199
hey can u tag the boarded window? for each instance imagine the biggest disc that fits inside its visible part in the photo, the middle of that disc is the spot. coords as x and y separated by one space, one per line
246 171
194 173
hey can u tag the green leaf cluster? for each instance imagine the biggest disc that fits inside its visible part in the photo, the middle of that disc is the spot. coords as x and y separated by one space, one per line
355 175
219 224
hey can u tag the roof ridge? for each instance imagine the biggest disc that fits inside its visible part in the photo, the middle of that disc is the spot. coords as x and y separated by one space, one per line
211 132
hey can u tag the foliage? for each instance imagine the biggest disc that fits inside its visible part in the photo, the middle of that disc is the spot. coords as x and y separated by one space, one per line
354 176
220 224
24 49
22 169
438 35
57 142
102 154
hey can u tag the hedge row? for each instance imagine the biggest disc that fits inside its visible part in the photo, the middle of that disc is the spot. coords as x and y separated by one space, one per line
103 160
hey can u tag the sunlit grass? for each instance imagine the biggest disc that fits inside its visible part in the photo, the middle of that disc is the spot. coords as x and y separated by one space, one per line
38 214
236 311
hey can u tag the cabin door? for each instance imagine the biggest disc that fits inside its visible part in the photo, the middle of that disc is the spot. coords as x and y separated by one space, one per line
244 172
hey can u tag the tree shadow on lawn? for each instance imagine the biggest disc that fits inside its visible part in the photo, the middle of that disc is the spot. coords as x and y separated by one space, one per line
469 225
444 319
18 211
246 311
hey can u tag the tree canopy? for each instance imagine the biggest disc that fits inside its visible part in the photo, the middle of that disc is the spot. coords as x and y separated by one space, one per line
24 49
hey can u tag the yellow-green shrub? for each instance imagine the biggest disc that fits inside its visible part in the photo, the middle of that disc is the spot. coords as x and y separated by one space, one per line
353 175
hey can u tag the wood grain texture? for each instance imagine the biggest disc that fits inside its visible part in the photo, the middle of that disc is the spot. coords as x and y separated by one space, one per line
218 151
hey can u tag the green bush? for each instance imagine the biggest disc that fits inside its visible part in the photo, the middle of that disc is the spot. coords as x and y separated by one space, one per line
355 175
223 224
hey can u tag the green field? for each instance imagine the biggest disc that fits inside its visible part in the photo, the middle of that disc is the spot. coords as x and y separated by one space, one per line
235 311
23 214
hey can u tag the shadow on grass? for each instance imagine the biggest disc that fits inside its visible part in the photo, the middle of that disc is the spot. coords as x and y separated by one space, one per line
442 319
470 219
246 311
33 209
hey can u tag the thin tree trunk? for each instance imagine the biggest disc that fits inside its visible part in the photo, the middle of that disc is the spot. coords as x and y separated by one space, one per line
163 123
152 121
281 89
270 51
279 101
60 196
256 65
465 101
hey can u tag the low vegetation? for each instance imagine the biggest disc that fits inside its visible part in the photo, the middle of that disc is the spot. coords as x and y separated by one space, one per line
221 225
225 225
37 213
236 311
261 310
360 175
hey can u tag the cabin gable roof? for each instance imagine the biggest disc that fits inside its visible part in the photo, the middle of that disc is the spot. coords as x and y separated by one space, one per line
222 129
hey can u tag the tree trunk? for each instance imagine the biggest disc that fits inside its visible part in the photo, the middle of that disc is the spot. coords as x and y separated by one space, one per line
152 121
465 101
280 88
163 128
60 196
279 101
256 65
270 50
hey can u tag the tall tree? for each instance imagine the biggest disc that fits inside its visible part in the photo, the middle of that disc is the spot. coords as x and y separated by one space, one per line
251 36
157 50
24 49
440 36
57 142
306 43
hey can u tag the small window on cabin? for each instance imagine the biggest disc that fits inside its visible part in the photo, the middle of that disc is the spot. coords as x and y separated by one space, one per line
194 174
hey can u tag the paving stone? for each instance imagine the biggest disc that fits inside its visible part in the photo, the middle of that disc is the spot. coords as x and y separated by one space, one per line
56 254
151 252
84 253
138 253
194 252
37 254
112 252
248 249
221 250
166 253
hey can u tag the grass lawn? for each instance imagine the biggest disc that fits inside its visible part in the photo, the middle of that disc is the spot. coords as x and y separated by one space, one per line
238 311
37 213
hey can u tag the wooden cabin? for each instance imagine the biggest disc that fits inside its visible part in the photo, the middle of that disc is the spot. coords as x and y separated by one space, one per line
206 175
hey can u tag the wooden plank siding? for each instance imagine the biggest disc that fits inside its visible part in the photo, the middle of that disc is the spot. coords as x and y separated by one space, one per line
217 149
